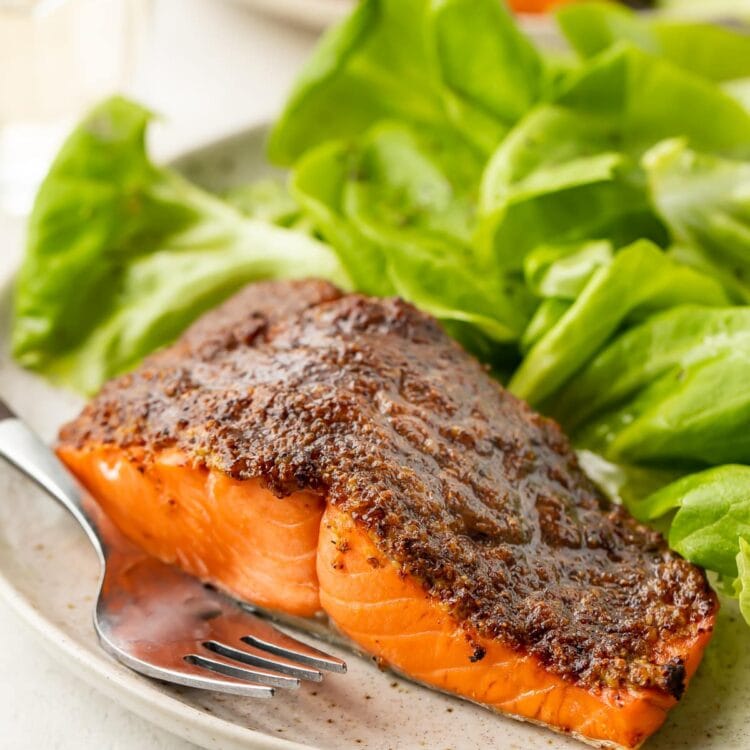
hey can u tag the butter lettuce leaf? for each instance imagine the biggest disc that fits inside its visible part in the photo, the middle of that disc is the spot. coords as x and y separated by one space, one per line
406 60
398 210
667 342
376 64
641 99
715 52
318 184
485 92
561 177
569 170
641 279
704 199
742 583
562 271
267 199
122 255
670 390
546 316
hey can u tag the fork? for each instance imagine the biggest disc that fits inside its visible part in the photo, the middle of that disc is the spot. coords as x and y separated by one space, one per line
158 620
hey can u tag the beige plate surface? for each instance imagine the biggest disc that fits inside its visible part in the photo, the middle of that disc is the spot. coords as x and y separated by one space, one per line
48 574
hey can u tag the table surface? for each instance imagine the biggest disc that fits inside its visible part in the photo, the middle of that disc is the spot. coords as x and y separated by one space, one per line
210 67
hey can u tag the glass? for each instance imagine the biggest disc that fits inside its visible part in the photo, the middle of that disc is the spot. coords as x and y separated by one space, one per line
57 58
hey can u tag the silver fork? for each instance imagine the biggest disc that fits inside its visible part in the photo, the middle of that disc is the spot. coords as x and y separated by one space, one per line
158 620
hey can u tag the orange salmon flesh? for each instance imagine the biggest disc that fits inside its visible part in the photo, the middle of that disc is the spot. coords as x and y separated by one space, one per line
297 556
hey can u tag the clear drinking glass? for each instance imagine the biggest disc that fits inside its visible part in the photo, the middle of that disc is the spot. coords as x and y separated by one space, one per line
57 58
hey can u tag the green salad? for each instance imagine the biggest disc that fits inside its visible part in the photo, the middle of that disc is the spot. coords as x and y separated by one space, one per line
579 221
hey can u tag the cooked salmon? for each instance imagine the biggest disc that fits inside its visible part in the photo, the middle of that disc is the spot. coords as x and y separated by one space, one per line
322 454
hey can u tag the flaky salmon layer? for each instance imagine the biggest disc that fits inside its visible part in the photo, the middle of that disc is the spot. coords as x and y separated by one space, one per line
388 614
296 556
234 534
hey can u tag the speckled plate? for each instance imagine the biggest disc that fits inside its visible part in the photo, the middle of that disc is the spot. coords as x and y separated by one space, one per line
48 574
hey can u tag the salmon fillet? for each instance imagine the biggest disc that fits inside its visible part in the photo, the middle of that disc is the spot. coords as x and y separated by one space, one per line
330 455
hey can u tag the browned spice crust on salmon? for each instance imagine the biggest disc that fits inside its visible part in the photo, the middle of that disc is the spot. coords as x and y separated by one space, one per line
457 481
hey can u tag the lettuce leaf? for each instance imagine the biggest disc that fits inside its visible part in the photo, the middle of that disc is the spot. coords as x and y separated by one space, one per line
705 201
742 583
667 342
558 178
640 99
122 255
715 52
569 170
403 193
398 212
640 279
267 199
546 316
406 60
318 185
562 271
739 90
672 389
377 62
484 93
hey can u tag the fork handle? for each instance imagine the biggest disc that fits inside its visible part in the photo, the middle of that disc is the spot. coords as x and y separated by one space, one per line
28 453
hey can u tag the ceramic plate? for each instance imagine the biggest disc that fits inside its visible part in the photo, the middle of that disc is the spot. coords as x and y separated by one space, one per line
48 574
314 14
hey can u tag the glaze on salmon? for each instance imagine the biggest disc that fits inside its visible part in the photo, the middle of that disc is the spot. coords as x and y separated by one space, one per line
308 450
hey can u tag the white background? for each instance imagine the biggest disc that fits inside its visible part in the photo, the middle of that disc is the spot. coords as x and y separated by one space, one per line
210 67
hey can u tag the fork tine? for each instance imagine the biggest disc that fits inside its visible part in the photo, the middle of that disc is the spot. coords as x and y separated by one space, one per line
189 674
290 648
231 668
277 664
